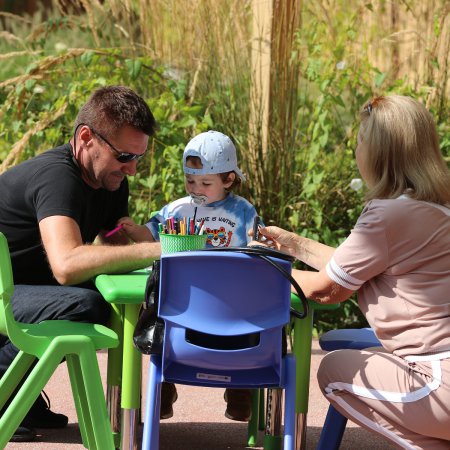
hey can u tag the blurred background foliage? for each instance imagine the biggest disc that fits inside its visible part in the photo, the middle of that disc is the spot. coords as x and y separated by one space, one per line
192 61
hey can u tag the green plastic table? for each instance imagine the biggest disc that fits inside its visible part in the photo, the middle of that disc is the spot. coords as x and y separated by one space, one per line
125 293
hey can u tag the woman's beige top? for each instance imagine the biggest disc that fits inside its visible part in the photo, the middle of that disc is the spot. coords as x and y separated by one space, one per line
398 258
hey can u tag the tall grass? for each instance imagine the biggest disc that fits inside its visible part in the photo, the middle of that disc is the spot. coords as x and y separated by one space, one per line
194 61
327 57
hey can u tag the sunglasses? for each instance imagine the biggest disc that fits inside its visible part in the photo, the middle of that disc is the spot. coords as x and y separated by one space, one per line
122 157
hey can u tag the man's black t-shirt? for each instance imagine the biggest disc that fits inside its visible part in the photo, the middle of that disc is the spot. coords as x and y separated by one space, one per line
47 185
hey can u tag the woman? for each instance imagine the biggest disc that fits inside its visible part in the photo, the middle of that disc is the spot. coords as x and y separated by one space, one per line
398 259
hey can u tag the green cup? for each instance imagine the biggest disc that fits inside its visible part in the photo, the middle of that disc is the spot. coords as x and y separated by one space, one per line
171 243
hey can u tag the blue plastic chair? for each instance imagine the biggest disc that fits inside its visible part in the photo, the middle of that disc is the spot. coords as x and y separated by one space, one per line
355 338
224 314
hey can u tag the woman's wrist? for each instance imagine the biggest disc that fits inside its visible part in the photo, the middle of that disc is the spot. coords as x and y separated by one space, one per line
313 253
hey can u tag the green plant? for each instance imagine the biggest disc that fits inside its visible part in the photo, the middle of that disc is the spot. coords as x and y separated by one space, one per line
38 113
198 77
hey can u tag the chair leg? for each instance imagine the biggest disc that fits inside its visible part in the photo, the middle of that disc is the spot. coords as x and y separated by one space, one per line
262 411
16 371
289 403
332 431
272 434
150 436
80 400
26 396
96 398
252 436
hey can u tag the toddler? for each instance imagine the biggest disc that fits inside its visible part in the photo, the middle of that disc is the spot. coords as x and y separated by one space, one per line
211 173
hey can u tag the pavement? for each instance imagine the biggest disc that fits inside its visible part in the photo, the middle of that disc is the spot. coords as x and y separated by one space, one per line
198 422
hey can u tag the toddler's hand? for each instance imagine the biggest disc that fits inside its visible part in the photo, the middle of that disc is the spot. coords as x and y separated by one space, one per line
135 232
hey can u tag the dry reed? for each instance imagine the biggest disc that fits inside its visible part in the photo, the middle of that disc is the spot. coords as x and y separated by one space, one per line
12 55
43 66
17 149
209 43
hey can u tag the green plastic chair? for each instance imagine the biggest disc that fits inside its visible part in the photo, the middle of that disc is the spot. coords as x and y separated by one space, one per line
42 348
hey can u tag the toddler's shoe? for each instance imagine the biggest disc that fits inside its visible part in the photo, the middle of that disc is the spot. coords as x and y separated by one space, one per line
168 398
239 404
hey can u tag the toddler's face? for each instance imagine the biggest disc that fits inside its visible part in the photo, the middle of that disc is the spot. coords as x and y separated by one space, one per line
210 186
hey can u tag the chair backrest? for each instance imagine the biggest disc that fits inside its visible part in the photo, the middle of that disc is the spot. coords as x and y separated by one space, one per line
8 324
6 283
224 315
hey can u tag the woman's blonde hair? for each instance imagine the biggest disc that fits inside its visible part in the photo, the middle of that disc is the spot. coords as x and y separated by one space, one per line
403 154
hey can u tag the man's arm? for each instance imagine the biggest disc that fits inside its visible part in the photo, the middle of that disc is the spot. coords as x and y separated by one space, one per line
73 262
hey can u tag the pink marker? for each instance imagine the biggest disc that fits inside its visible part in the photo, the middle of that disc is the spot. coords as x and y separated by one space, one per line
114 230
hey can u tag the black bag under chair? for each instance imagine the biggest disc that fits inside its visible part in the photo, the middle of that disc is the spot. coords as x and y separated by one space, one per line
149 331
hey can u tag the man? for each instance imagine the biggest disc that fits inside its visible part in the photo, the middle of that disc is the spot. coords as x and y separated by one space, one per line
55 205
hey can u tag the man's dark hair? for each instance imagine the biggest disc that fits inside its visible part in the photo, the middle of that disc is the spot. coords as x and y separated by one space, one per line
110 108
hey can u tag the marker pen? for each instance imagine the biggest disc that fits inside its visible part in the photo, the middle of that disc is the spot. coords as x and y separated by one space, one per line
256 225
114 230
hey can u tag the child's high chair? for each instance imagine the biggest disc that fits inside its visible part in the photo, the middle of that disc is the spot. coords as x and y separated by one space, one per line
224 313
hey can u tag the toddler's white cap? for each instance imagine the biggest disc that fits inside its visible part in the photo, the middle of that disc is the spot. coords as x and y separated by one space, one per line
216 152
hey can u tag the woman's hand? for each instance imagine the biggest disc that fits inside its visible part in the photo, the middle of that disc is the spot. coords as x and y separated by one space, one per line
282 240
312 253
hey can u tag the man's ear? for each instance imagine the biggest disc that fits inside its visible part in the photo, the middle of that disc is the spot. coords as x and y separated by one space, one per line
85 134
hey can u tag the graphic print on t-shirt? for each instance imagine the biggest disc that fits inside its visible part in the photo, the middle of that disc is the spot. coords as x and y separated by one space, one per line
218 237
226 222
